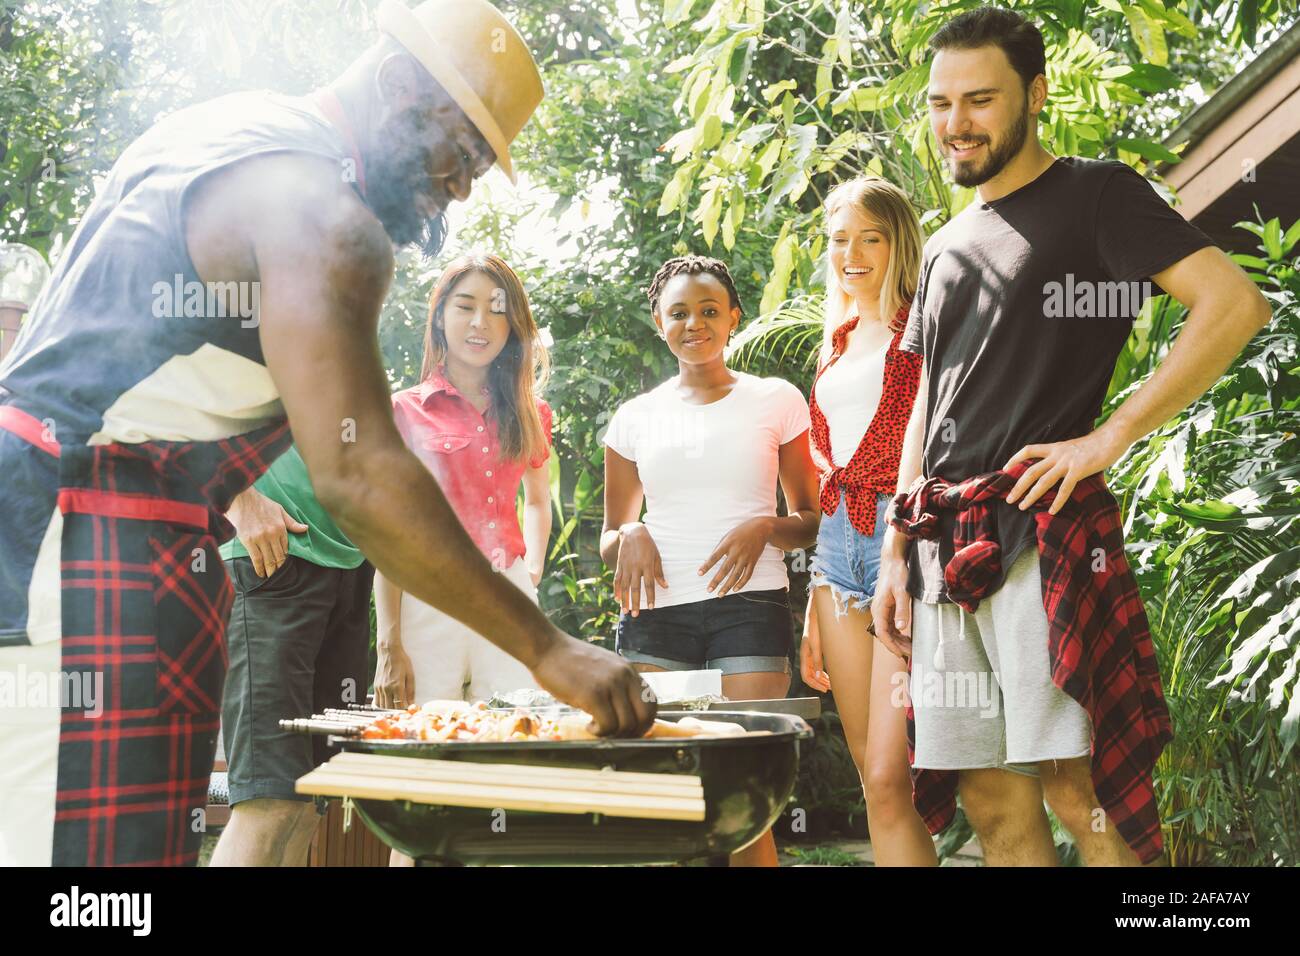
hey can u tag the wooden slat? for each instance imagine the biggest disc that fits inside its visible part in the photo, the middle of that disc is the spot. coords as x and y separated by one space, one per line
338 782
556 778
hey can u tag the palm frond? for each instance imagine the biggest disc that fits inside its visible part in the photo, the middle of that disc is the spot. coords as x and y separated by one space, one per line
786 341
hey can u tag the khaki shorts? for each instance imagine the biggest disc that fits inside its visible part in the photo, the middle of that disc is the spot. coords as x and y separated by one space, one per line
452 662
987 699
29 755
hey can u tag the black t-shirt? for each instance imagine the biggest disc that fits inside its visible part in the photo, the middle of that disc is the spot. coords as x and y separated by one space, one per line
1022 308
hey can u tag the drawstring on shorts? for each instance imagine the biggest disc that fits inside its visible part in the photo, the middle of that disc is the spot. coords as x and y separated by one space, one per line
961 634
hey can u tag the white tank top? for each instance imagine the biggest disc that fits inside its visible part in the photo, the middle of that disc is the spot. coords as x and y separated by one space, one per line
848 394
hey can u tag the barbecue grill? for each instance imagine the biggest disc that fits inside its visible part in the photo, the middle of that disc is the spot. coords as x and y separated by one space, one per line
746 781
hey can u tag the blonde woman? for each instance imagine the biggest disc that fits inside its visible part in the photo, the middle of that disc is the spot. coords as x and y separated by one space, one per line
476 422
861 399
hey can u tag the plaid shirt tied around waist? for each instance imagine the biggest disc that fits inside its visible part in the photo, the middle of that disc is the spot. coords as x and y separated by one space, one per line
1099 641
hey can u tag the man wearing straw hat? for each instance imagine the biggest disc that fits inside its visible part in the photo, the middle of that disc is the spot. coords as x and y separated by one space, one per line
224 285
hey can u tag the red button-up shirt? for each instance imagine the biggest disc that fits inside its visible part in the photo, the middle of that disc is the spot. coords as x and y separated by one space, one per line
1099 641
458 444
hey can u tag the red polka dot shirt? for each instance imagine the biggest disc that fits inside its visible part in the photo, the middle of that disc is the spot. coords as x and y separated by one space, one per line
873 469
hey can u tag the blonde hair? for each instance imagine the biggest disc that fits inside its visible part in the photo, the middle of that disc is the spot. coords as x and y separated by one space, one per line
889 207
517 374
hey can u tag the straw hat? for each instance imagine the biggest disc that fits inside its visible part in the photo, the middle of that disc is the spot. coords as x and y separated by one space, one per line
478 57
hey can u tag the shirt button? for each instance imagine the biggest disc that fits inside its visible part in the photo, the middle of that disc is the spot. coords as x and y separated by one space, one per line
492 524
485 449
446 444
480 428
488 473
491 499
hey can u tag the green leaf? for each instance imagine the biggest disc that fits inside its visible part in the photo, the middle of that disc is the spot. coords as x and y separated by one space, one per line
753 135
1176 19
1291 238
768 157
823 84
844 35
672 196
1148 150
1149 35
1147 77
1273 238
710 211
711 133
782 263
1248 20
675 11
770 93
864 99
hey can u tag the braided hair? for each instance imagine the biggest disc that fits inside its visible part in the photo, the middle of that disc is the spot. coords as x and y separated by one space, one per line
691 265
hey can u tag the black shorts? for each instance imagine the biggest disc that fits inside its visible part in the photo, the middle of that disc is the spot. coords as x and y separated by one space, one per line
299 642
743 633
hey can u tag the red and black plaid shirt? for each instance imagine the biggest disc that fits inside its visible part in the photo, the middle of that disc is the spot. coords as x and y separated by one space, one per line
873 469
1099 642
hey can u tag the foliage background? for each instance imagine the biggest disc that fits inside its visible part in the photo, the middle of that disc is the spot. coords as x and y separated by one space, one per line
717 126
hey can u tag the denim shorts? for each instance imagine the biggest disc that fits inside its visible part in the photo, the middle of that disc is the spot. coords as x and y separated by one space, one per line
745 632
846 560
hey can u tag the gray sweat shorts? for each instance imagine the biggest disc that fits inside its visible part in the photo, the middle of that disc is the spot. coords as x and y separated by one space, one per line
981 684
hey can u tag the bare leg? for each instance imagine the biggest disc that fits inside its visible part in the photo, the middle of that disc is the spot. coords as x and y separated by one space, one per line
266 832
847 655
864 685
1067 784
1006 810
898 834
757 686
298 851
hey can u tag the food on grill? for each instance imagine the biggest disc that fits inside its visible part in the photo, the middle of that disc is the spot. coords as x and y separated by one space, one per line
454 720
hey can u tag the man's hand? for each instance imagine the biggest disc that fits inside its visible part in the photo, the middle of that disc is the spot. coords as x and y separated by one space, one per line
739 551
263 527
1067 462
891 608
638 566
394 677
605 685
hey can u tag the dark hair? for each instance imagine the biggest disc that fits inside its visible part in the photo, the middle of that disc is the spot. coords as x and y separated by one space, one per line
691 265
993 26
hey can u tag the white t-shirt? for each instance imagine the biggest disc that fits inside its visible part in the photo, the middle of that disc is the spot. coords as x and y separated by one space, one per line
848 394
705 469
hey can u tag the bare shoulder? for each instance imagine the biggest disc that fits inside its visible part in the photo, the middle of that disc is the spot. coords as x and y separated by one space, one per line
306 203
290 207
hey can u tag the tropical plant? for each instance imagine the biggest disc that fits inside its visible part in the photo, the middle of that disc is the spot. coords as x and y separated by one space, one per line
782 100
1213 519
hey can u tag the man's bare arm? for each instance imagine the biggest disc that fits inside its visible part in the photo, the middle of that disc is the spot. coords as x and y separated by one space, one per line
1225 310
891 609
324 265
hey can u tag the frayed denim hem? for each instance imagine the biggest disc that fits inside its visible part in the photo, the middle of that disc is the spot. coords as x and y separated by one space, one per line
845 599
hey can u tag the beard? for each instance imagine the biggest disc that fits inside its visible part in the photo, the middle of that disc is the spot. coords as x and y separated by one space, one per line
970 174
399 171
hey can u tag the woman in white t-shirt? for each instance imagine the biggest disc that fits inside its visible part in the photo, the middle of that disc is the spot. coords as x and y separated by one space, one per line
701 580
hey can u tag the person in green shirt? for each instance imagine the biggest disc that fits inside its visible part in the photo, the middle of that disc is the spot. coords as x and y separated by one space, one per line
299 641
